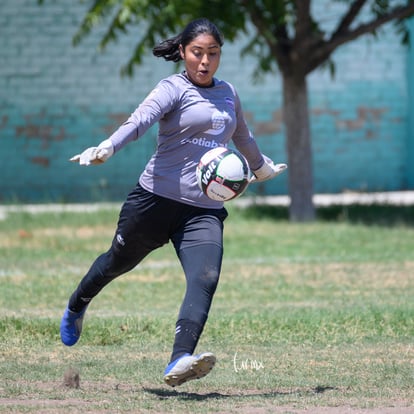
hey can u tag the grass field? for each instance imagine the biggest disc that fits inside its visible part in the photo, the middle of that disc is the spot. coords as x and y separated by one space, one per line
307 317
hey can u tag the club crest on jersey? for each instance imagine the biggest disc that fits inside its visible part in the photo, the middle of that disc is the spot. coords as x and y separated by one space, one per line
218 123
230 102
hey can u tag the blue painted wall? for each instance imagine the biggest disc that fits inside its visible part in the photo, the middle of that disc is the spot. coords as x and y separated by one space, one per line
410 123
56 100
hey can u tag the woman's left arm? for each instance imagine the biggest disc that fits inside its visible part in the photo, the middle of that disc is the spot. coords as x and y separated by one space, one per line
262 166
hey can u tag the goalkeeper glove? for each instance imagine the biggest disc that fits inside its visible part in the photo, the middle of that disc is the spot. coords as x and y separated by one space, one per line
95 155
267 171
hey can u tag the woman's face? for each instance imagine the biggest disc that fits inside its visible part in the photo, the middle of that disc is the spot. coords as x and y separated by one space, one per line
201 58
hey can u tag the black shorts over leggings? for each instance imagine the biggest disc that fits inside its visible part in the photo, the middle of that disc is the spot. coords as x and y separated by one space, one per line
148 221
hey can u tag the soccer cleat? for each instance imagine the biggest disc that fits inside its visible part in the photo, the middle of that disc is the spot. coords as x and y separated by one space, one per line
71 326
189 367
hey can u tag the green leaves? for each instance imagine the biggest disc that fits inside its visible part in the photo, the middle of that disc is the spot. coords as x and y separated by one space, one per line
278 31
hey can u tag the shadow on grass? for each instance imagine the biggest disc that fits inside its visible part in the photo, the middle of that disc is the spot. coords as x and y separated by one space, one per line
192 396
375 214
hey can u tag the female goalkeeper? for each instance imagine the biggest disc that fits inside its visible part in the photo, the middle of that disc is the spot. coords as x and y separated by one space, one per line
195 112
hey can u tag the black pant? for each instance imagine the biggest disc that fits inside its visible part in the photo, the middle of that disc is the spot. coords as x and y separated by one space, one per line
148 221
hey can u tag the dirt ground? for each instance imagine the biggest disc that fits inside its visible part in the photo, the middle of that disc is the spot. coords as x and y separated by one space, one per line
328 410
69 402
82 406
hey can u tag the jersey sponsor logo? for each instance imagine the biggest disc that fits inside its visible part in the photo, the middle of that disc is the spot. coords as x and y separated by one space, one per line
203 142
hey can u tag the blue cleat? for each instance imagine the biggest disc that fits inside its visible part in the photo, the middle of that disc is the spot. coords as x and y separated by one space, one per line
189 367
71 326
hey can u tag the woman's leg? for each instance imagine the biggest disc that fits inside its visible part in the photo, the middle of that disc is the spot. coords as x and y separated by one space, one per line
136 235
140 230
106 268
199 246
202 265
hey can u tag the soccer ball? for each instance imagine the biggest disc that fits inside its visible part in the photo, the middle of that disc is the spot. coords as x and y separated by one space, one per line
222 174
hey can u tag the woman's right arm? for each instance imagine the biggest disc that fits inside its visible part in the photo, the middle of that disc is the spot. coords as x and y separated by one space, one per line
159 102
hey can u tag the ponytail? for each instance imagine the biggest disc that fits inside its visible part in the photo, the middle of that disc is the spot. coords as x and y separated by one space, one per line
170 49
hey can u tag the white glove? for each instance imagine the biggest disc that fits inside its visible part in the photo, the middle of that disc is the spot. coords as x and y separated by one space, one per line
95 155
267 171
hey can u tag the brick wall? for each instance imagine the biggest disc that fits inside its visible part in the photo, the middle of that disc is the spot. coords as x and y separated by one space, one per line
55 100
410 124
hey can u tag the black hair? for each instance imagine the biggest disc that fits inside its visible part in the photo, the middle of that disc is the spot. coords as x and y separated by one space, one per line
169 48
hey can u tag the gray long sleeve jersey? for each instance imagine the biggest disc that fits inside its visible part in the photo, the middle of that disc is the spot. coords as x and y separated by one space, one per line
192 120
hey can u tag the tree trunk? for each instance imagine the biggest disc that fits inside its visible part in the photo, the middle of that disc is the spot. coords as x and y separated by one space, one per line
300 172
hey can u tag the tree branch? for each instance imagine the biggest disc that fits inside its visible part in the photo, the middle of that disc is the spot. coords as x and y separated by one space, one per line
400 12
322 51
349 17
256 15
274 33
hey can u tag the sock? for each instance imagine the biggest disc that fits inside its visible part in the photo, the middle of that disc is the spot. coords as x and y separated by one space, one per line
77 304
187 334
